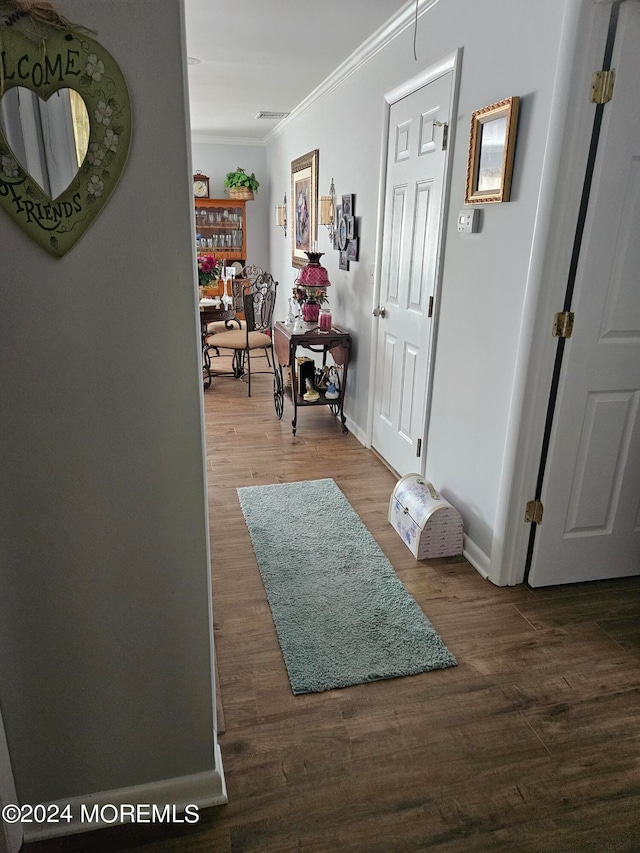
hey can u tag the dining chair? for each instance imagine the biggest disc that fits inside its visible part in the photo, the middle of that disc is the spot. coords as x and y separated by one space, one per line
255 295
233 289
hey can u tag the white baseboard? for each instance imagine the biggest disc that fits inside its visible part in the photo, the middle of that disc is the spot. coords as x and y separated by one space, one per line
476 556
356 432
200 789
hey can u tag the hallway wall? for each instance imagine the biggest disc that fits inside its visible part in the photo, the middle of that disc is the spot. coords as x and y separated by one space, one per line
508 49
106 677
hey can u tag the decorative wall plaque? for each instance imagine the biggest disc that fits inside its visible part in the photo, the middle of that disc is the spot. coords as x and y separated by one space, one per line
53 197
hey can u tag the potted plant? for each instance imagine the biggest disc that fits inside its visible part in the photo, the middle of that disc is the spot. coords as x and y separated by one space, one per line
241 185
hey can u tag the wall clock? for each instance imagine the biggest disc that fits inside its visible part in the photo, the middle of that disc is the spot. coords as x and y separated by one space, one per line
200 185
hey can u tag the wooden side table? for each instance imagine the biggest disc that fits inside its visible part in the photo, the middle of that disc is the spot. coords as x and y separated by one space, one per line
286 341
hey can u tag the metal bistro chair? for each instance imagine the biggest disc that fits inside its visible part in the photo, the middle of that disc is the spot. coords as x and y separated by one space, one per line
235 292
255 295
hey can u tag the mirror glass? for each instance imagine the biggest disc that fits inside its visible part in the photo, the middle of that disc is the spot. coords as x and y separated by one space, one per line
48 138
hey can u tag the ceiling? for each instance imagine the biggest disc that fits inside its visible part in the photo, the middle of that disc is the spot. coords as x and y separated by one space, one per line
268 55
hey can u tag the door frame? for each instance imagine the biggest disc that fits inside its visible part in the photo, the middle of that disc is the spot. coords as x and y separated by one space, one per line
11 835
582 48
449 63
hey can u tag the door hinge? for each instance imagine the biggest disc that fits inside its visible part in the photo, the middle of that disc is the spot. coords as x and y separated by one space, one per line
419 447
563 324
430 309
602 86
445 133
533 512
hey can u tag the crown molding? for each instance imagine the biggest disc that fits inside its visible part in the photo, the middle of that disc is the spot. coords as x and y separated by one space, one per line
396 25
210 139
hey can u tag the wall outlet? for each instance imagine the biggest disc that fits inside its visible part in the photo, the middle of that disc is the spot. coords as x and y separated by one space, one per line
469 221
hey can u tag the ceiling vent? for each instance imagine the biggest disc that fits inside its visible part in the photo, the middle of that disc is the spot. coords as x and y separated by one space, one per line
266 114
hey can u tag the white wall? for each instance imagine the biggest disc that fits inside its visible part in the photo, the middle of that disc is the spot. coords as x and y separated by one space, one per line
215 160
106 668
509 48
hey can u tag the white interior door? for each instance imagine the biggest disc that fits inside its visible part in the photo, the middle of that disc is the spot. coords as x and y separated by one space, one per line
416 160
591 493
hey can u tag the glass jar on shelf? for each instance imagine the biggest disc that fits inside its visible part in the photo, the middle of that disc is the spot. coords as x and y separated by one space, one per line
324 320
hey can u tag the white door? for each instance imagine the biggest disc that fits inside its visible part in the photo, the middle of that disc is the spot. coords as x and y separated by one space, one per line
416 160
591 494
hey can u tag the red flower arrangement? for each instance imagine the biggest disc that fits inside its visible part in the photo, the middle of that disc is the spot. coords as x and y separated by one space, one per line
209 269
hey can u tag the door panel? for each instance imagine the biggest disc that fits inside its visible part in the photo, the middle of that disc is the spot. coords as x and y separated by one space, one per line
427 132
621 319
408 389
603 454
591 492
403 133
387 377
395 249
418 274
416 164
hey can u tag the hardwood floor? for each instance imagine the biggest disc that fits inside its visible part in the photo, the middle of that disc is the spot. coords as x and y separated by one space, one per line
530 744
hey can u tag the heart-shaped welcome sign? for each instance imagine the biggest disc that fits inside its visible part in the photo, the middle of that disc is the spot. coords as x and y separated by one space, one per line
98 134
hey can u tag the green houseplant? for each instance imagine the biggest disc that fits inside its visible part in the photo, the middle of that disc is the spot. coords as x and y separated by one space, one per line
241 185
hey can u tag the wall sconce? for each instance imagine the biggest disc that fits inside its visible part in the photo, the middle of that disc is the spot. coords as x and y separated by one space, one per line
328 210
281 215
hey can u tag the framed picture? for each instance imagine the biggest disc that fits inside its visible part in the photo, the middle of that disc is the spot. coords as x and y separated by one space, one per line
491 147
352 250
304 200
347 205
351 227
343 263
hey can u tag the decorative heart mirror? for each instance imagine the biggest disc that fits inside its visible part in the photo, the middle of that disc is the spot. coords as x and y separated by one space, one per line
65 128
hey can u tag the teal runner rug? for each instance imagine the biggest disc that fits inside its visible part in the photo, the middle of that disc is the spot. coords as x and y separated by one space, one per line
341 613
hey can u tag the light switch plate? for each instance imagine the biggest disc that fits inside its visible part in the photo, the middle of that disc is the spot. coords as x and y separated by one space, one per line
468 221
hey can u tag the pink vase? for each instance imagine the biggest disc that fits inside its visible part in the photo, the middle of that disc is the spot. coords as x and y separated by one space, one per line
310 312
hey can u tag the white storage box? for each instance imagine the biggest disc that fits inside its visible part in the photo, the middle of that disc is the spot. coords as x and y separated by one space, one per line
428 525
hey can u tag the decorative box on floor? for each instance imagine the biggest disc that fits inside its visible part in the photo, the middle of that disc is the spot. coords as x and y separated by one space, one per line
429 526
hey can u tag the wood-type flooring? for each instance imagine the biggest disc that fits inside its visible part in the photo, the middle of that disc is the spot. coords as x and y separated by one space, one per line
531 744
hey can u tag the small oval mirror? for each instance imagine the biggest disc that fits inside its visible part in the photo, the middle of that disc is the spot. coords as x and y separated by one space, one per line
48 138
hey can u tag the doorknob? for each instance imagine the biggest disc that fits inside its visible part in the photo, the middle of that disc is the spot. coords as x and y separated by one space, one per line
380 312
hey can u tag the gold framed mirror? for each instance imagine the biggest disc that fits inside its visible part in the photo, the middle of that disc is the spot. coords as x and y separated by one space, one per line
492 141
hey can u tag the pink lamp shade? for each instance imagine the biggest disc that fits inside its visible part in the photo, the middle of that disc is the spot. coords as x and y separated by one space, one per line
313 275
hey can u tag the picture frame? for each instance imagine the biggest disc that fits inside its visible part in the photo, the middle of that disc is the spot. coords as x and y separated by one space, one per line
304 203
351 228
347 205
343 262
492 142
352 250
